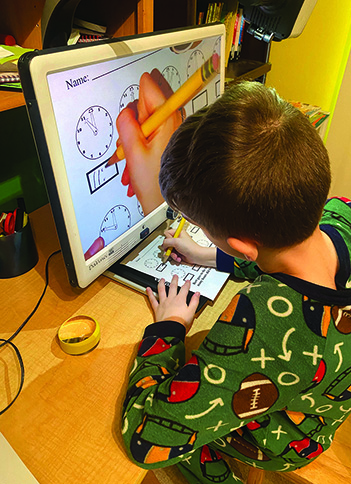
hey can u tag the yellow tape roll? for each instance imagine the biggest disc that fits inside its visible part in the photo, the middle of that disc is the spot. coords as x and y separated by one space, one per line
79 334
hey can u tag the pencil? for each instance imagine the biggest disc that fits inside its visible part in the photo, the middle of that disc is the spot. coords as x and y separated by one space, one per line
175 236
179 98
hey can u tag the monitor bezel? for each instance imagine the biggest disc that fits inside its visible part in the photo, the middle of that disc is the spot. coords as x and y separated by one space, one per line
34 68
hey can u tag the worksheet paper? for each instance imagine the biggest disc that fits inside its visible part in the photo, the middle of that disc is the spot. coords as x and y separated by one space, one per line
208 281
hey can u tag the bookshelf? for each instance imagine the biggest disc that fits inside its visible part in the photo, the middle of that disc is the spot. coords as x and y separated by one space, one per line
22 20
253 62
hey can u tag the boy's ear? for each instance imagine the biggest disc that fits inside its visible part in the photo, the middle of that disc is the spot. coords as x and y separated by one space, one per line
248 248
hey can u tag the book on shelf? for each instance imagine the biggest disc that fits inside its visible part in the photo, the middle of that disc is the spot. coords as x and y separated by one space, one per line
87 25
238 34
8 66
200 19
231 14
307 109
9 77
11 86
84 31
229 22
214 12
315 114
9 55
78 37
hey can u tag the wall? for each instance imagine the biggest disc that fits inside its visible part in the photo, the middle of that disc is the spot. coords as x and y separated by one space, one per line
310 67
315 68
339 139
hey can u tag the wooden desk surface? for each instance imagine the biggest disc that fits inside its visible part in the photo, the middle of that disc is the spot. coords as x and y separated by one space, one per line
65 425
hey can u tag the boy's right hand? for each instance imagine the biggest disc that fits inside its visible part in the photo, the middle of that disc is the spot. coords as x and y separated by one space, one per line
174 306
186 250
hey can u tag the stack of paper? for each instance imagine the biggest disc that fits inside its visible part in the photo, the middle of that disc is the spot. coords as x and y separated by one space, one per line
9 77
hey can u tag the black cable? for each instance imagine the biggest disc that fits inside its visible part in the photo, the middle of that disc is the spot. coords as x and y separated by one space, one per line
9 340
19 357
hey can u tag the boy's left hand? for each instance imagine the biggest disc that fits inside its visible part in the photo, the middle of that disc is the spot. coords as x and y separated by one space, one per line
174 306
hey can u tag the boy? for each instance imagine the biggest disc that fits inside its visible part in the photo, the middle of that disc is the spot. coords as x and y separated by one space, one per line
271 382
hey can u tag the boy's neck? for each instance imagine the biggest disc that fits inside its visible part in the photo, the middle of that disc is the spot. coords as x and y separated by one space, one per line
314 260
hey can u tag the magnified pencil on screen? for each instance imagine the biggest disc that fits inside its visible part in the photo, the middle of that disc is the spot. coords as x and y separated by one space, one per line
178 99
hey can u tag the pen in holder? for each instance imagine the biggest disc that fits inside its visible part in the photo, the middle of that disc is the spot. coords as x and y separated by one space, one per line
18 252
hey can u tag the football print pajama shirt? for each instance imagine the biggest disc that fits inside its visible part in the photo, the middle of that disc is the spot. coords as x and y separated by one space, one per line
269 385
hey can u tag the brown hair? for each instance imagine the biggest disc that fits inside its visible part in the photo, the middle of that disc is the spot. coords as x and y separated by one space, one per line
248 166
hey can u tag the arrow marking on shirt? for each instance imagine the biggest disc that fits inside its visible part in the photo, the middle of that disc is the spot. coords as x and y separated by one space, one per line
287 354
125 426
308 397
213 403
338 350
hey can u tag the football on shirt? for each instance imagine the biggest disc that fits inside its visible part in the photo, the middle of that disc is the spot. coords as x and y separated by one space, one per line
342 319
245 447
257 393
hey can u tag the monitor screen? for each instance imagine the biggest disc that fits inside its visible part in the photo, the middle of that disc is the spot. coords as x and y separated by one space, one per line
102 115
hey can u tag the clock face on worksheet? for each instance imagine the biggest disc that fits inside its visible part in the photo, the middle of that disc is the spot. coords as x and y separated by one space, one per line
94 132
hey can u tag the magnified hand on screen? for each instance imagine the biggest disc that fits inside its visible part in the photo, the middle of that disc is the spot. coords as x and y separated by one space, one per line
142 154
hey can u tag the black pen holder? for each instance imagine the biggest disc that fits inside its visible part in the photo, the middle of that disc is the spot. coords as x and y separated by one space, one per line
18 253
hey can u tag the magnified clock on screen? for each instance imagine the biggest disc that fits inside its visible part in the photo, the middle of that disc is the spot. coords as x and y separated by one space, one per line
94 132
117 220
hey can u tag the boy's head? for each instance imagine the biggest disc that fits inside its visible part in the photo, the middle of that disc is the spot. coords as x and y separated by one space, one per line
248 166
